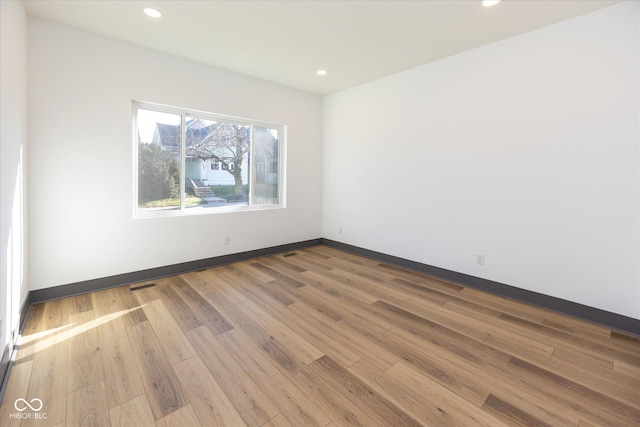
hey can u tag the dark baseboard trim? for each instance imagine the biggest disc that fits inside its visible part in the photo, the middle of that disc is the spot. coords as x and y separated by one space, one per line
605 318
63 291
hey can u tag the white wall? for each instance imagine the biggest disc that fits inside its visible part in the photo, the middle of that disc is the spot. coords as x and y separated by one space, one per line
80 158
13 138
525 150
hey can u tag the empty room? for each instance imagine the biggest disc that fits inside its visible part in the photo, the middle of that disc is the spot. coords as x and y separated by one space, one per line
320 213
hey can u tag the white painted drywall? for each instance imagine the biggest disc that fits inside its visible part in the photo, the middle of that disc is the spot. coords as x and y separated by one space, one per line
524 150
13 139
81 87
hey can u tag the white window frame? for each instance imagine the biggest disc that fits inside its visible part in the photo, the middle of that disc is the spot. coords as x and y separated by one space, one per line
182 210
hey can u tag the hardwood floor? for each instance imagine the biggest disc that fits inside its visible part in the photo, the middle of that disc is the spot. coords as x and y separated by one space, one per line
318 337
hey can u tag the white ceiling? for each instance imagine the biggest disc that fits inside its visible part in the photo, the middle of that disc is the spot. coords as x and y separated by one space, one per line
287 41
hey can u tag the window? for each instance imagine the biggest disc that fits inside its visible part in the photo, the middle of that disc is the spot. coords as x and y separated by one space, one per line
202 162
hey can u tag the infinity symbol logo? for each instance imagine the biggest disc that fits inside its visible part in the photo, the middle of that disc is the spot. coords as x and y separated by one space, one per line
28 404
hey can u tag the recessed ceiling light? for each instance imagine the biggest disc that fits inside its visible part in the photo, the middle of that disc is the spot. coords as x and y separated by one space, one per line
154 13
322 72
488 3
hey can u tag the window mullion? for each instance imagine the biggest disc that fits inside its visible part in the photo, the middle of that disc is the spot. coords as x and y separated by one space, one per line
251 167
183 161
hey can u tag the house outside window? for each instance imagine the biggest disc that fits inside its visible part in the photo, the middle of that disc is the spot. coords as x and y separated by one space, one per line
173 146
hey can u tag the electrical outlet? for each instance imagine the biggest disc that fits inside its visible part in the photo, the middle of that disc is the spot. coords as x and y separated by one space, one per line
227 240
480 259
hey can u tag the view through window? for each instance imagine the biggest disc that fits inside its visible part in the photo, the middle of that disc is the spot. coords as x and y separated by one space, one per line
188 160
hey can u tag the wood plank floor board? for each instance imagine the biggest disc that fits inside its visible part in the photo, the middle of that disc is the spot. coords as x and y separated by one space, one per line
284 279
419 291
468 308
419 278
251 402
535 404
129 301
445 332
133 413
585 344
628 369
275 291
364 270
160 382
87 406
332 402
282 264
497 337
504 305
300 277
147 294
278 421
488 376
209 281
107 302
577 328
445 407
323 342
300 347
420 407
298 409
209 316
243 284
441 316
625 340
618 386
456 375
248 273
311 262
178 307
495 381
251 330
175 344
317 337
353 342
561 385
377 288
359 393
472 350
80 303
591 361
511 414
183 417
121 376
340 289
85 361
209 402
319 300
